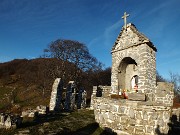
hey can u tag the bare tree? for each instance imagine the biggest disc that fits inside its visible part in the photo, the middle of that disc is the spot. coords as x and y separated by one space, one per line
159 78
73 52
175 79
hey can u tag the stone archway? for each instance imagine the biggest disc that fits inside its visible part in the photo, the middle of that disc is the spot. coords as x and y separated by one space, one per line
127 69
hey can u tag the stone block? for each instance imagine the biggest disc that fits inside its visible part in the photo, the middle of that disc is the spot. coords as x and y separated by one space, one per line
149 129
102 107
105 115
116 124
154 116
123 119
111 116
166 116
145 116
113 108
144 122
130 129
109 122
136 96
132 122
101 118
151 122
160 123
122 109
167 87
139 130
131 114
138 116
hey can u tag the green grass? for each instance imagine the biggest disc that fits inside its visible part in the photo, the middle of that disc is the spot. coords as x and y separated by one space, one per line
81 122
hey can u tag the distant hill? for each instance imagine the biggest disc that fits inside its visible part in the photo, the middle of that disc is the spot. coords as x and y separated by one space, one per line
29 82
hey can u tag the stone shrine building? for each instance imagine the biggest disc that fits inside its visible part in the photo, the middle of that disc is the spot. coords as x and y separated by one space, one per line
133 56
134 103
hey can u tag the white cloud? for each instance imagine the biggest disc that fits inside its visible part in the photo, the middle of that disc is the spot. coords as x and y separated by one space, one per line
110 31
94 41
160 17
106 38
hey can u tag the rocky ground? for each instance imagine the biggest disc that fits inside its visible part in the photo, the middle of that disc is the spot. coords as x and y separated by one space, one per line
80 122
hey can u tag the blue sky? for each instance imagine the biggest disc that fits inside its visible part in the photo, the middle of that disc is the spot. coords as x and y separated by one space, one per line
28 26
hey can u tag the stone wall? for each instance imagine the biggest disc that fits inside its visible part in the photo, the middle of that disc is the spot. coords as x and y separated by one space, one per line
105 93
125 116
131 117
164 94
176 112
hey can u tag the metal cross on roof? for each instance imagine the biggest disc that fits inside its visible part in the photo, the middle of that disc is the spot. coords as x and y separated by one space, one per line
125 19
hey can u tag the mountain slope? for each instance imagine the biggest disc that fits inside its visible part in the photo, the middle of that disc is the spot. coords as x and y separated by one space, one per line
28 82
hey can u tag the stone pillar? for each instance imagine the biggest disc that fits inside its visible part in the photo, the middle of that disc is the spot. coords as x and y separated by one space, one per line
147 71
56 95
84 95
69 91
93 96
79 100
72 100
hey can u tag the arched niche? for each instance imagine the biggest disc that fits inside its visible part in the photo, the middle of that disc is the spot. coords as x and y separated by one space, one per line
128 69
134 83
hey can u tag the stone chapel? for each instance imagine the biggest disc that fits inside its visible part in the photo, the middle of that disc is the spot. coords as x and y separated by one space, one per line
133 72
133 62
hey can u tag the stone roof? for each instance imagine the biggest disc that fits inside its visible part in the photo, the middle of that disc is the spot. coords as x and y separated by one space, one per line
131 37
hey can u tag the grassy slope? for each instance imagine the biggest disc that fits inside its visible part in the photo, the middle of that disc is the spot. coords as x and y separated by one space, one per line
24 79
81 122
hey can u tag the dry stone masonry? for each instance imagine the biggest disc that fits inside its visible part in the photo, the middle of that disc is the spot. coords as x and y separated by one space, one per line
134 104
56 94
69 98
